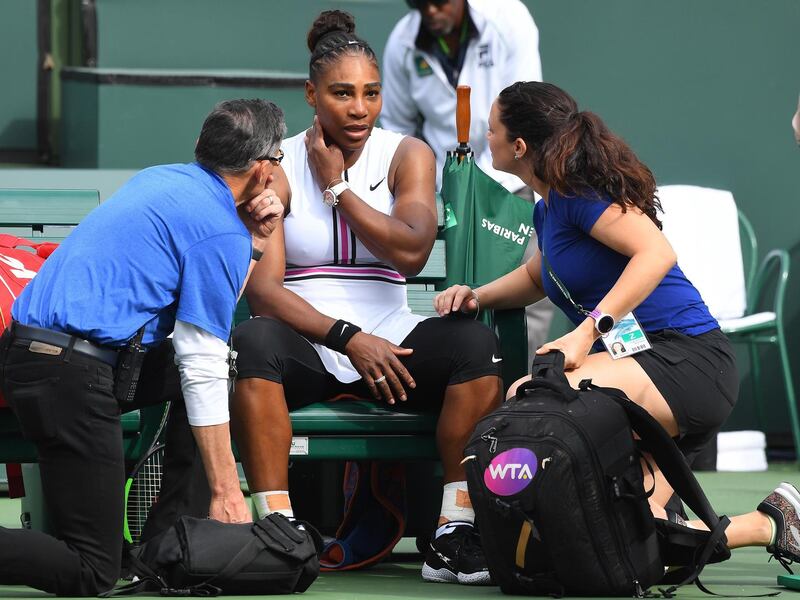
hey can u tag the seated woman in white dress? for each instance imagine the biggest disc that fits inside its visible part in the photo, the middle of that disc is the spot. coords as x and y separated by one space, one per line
330 296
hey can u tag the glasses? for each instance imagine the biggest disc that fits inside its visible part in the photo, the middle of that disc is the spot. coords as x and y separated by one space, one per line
420 4
275 160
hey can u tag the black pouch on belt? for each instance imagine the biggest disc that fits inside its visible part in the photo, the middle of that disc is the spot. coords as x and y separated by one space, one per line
129 367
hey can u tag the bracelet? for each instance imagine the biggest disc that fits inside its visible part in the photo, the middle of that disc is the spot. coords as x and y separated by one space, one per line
256 254
340 334
478 302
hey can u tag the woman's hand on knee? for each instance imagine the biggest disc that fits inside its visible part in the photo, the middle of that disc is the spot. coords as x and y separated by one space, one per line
376 360
456 298
575 345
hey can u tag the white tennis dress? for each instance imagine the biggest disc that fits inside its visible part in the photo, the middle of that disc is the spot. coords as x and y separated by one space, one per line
328 266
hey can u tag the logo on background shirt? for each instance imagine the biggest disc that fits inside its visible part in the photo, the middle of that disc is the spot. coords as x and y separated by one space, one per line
423 67
485 56
510 472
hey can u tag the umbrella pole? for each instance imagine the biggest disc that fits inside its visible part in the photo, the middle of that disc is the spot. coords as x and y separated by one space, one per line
463 118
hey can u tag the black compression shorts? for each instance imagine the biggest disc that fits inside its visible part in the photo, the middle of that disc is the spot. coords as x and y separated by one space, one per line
447 351
698 378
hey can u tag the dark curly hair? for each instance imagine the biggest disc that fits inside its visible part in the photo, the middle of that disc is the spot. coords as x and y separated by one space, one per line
574 151
331 36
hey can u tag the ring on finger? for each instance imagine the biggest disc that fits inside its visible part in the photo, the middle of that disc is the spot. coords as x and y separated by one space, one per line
380 379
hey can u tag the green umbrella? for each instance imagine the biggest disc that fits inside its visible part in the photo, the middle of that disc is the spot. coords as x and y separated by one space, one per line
486 230
486 227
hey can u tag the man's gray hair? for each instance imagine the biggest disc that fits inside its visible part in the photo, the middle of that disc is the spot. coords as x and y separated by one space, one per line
238 132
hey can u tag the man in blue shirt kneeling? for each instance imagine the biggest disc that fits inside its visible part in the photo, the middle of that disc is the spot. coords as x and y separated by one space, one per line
170 252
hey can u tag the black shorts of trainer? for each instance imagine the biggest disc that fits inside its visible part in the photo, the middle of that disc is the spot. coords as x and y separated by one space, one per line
447 351
698 378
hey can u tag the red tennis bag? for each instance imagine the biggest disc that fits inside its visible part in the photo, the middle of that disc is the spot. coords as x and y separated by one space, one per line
17 268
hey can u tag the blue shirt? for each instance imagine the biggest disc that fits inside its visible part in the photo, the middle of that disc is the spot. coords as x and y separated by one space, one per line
589 269
167 245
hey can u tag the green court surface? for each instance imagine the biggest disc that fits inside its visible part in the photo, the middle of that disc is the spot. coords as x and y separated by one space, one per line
746 573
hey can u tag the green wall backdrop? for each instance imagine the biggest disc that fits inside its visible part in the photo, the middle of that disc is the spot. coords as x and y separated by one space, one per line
18 58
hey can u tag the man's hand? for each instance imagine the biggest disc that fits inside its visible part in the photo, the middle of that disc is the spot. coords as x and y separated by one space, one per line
326 162
261 214
227 502
376 361
229 507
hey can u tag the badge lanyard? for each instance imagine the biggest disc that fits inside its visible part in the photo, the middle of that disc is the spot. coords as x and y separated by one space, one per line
625 339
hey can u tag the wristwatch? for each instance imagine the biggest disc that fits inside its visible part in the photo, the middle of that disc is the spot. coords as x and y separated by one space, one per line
330 196
603 322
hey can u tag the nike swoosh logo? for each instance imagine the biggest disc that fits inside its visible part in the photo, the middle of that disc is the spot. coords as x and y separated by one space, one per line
343 328
495 359
372 188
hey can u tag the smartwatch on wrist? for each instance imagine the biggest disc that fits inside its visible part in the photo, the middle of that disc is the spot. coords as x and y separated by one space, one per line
603 322
330 196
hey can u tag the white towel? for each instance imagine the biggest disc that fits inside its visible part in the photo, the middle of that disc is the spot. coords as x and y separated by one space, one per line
702 225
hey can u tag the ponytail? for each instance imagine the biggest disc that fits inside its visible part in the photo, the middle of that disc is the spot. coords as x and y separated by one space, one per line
574 151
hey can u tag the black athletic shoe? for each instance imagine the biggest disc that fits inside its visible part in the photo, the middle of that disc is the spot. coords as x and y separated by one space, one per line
783 505
456 556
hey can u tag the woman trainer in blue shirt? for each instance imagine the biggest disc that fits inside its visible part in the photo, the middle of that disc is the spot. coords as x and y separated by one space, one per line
601 257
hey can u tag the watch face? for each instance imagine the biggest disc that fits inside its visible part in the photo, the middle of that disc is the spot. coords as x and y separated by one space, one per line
328 197
605 324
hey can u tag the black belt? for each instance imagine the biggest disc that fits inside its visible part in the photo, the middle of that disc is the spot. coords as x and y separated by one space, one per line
64 340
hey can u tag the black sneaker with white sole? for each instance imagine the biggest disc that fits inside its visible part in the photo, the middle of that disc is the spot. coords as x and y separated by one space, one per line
783 505
455 555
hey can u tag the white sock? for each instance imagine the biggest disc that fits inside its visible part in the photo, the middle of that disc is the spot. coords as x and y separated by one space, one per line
275 501
456 505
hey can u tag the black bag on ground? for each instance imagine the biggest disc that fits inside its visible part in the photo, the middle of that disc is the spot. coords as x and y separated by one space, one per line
556 481
204 557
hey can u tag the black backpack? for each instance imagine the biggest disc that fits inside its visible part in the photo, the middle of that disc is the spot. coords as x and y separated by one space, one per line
556 481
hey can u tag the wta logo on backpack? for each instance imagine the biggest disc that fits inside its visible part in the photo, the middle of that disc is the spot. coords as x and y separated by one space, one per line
511 471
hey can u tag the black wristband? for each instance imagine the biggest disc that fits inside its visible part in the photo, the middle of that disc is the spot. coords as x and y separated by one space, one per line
256 254
340 334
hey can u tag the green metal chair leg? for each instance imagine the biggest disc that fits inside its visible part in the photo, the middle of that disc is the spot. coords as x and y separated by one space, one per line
790 397
755 377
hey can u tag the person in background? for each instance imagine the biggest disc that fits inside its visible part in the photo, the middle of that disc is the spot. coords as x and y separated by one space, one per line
332 315
440 44
602 257
170 251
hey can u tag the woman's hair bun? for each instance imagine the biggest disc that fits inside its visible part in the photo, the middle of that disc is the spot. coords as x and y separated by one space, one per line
330 21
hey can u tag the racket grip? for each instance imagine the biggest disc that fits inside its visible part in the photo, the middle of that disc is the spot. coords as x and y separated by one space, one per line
463 115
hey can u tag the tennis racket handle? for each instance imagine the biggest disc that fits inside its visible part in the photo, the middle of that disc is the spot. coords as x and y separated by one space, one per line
463 115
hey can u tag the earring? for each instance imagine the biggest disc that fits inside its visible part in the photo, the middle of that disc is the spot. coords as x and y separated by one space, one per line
516 157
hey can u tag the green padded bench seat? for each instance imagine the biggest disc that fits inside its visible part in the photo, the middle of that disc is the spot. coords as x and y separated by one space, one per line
105 181
358 417
44 215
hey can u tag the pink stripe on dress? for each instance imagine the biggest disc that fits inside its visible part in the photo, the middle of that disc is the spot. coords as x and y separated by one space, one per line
350 271
345 240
